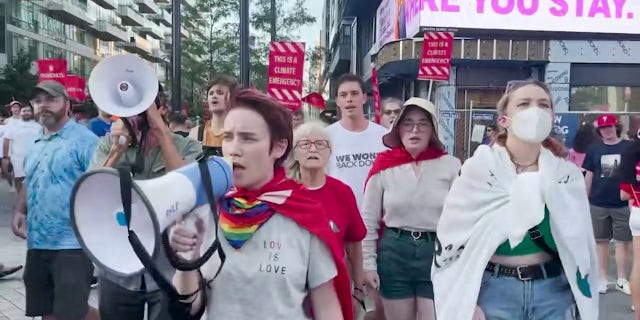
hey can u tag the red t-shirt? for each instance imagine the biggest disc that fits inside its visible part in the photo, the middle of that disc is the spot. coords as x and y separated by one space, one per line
627 188
340 205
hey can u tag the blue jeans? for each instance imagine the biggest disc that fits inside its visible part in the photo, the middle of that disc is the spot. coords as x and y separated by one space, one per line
508 298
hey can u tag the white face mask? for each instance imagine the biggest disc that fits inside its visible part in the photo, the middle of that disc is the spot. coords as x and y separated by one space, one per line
532 125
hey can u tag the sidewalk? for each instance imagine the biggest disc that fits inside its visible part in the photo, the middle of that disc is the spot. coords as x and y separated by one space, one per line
13 252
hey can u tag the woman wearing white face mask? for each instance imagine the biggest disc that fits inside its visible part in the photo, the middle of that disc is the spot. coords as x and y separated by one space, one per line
515 239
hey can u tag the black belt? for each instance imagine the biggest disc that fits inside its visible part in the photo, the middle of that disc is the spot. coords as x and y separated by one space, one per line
539 271
416 235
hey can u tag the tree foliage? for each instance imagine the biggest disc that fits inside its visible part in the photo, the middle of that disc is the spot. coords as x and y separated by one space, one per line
217 50
17 81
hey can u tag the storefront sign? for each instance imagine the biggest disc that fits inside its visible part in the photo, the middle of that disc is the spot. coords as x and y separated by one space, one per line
445 102
566 125
594 51
377 108
75 86
588 16
52 69
436 56
387 22
286 68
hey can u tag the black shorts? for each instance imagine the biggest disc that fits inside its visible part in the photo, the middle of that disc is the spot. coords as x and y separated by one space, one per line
57 282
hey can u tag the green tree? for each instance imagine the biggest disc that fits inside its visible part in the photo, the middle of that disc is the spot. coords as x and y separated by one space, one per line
314 61
218 52
17 81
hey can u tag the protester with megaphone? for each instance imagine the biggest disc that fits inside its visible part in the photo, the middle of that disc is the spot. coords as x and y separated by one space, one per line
140 140
150 154
278 243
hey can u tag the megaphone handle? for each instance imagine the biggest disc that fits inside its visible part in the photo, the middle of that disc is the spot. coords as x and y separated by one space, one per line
126 186
182 264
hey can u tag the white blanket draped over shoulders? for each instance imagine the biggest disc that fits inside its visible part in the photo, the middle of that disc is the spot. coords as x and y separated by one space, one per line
490 203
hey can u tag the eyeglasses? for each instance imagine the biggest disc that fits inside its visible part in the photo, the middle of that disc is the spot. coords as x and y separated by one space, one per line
306 144
390 112
408 126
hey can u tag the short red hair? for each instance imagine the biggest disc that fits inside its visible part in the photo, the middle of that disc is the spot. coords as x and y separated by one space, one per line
277 117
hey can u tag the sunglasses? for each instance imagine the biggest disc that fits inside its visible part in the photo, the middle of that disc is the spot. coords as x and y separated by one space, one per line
390 112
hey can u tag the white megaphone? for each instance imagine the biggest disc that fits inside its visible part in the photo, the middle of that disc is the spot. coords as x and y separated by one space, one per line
99 222
123 85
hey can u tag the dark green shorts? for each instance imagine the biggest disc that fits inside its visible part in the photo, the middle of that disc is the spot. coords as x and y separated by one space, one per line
404 266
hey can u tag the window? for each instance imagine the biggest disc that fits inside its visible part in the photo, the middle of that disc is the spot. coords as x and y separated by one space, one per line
605 98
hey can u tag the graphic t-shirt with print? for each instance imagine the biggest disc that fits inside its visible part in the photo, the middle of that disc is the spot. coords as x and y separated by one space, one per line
603 160
269 277
353 154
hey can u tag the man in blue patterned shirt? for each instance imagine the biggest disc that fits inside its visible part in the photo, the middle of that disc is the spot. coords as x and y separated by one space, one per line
57 273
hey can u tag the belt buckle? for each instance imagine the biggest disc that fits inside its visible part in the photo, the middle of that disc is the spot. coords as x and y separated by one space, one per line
519 271
414 236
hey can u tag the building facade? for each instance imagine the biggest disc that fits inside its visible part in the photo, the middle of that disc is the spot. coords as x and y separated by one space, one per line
586 53
85 31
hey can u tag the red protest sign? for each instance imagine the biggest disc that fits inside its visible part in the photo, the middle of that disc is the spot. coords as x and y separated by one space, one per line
286 68
315 99
75 86
52 69
436 56
376 94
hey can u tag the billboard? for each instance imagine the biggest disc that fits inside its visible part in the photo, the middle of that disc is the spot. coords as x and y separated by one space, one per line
584 16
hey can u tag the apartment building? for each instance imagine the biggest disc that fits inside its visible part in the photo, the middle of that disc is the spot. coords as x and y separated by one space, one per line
84 31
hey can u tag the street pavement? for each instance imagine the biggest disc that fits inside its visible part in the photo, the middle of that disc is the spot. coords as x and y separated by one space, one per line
614 305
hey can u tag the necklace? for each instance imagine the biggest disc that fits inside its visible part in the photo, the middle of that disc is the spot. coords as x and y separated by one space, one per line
520 168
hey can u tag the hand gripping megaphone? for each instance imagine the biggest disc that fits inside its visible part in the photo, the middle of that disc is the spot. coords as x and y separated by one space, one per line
123 85
102 227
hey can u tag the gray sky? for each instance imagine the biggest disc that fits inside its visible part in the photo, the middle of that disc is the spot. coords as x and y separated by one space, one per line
310 33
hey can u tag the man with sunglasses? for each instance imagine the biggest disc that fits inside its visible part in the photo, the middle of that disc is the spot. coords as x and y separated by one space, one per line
57 275
150 150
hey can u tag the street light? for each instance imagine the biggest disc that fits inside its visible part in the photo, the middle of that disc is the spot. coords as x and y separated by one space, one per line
244 42
176 61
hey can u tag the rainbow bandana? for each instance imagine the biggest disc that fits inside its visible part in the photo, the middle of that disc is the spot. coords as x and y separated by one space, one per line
241 218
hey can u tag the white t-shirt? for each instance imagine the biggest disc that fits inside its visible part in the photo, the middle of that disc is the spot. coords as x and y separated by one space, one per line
353 153
22 134
270 275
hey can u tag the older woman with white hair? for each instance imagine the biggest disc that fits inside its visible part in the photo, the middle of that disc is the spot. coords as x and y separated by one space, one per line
311 152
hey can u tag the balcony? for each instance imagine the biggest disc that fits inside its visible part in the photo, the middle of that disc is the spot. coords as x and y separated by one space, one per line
340 59
147 6
136 45
154 56
70 12
189 3
200 33
130 17
108 31
163 1
184 32
163 17
107 4
150 29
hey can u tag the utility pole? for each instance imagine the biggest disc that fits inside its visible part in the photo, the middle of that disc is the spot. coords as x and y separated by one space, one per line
274 20
176 61
244 42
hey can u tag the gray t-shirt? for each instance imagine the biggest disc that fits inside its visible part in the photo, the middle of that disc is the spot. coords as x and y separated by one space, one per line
270 275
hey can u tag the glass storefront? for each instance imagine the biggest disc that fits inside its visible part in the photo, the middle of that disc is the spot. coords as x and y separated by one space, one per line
605 98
